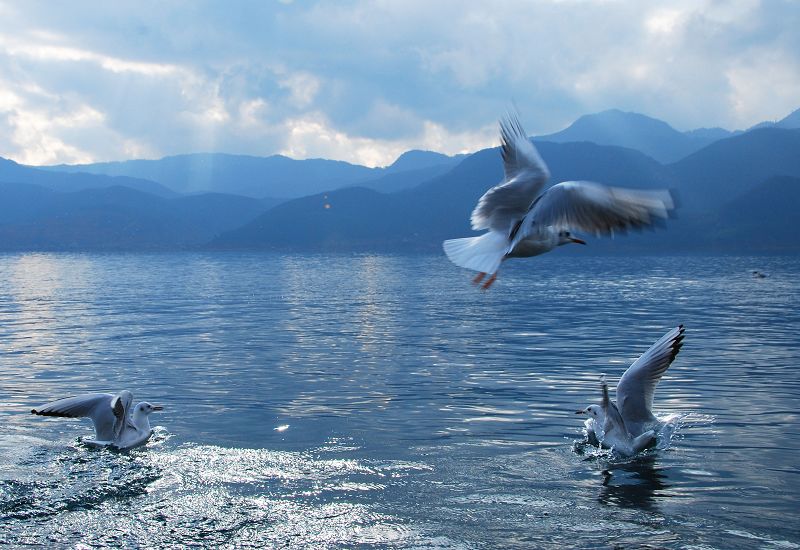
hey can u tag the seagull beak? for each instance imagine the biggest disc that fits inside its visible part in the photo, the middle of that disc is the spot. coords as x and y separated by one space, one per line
158 408
577 241
580 412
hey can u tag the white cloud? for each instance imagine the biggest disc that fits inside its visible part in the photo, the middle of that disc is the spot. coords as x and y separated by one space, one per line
32 129
763 86
303 88
36 134
252 112
365 81
664 21
50 52
313 137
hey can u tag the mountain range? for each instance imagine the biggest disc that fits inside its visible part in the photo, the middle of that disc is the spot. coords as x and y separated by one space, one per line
276 176
423 216
738 193
649 135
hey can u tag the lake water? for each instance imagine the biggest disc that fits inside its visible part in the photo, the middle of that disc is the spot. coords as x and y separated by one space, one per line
340 401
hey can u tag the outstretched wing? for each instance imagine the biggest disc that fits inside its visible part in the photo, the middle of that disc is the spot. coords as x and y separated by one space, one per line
638 384
96 406
596 208
525 175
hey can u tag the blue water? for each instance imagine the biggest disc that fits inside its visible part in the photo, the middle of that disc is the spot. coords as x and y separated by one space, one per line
340 401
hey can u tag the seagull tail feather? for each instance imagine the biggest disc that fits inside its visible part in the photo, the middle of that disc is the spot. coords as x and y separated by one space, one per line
483 253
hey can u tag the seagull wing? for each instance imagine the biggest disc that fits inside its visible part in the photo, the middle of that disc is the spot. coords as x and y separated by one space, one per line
613 421
637 386
525 175
597 208
120 405
96 406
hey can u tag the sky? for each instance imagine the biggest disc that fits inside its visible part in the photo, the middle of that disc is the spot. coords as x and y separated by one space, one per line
364 81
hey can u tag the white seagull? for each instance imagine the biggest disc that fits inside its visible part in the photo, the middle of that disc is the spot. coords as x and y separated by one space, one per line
115 424
628 426
522 221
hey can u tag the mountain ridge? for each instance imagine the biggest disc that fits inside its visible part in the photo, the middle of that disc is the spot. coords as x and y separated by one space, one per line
413 204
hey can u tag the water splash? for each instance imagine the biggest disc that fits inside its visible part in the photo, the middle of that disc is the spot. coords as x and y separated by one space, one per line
669 430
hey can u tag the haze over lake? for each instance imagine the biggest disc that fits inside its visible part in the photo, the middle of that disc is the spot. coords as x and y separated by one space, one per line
341 400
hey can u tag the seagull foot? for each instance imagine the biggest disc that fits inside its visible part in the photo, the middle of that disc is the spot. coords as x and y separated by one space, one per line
478 278
490 281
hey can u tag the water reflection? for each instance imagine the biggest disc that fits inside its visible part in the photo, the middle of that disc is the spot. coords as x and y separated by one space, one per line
634 484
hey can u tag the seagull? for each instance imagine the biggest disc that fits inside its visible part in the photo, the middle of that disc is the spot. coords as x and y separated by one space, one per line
628 428
115 424
522 221
759 274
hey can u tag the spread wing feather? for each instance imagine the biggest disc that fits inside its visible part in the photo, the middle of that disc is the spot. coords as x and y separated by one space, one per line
96 406
638 384
596 208
525 176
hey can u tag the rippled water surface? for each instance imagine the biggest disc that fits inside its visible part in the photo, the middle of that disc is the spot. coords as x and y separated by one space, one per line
336 401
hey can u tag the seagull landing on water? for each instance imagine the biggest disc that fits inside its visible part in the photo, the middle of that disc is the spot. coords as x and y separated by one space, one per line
522 221
628 426
116 424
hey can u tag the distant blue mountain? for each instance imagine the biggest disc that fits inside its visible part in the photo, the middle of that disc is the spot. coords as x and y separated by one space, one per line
739 193
730 167
648 135
275 176
33 217
789 122
10 171
709 135
422 216
418 160
761 220
411 169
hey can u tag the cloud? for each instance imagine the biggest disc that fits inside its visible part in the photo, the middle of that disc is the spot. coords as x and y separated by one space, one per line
363 81
312 136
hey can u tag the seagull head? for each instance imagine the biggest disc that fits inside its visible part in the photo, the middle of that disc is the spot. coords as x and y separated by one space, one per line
593 411
146 408
565 237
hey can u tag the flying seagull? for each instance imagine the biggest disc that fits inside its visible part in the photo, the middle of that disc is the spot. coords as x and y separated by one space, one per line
522 221
116 424
628 426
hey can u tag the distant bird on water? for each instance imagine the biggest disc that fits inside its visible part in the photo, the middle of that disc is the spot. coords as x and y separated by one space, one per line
628 426
116 425
522 221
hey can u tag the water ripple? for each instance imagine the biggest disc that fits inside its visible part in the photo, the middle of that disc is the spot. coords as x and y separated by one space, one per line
368 400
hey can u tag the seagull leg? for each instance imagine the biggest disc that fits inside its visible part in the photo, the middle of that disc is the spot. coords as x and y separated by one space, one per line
478 278
489 282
